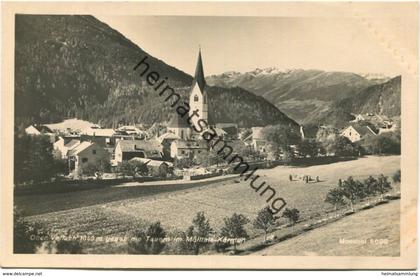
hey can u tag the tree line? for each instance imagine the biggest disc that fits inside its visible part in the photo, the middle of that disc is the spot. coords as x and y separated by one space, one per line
351 190
151 240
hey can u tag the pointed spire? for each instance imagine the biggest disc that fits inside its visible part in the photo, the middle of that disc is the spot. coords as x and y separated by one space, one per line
199 72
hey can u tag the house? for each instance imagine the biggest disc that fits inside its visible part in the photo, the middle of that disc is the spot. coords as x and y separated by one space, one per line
85 153
38 130
128 149
63 148
360 118
101 136
130 130
169 136
356 133
41 130
188 148
256 139
231 129
155 167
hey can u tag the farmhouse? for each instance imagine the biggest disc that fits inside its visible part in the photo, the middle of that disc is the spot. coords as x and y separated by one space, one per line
101 136
63 148
256 140
187 148
231 129
356 133
85 152
128 149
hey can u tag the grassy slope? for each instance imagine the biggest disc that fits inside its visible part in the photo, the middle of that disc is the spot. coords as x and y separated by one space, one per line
381 222
121 208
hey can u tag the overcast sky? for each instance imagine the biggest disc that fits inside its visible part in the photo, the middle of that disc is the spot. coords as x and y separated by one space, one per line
245 43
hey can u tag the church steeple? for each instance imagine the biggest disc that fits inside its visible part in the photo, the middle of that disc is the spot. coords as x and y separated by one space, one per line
198 95
199 72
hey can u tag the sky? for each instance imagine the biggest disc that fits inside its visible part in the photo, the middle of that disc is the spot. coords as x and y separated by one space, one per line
245 43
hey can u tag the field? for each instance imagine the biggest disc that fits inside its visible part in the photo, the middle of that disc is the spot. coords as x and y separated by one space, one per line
114 211
383 231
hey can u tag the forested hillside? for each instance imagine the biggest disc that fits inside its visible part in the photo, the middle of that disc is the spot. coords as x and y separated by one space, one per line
299 93
76 66
382 99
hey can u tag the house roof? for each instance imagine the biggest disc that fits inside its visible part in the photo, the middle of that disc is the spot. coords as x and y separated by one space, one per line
139 145
105 132
177 121
363 130
223 125
41 128
150 162
191 144
79 148
257 133
219 131
167 135
72 143
229 128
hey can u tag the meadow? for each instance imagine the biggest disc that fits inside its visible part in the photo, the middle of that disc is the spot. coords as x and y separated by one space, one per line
119 211
367 236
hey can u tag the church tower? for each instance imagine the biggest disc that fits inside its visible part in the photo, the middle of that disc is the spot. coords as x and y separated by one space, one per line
198 94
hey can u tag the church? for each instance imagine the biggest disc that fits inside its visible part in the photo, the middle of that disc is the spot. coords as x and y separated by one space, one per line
198 111
187 130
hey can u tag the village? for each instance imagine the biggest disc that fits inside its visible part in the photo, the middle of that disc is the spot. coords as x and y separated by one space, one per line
172 149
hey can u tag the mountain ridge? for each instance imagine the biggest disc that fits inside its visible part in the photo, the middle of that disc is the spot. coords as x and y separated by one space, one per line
77 66
297 92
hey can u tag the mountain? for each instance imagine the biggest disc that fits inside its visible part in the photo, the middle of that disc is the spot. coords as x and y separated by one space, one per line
299 93
381 99
76 66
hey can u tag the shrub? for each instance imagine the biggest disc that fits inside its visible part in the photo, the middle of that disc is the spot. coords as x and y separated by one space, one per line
385 143
335 197
308 147
383 184
182 163
264 220
344 147
291 214
201 229
34 160
26 237
370 186
132 167
149 242
234 227
352 190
